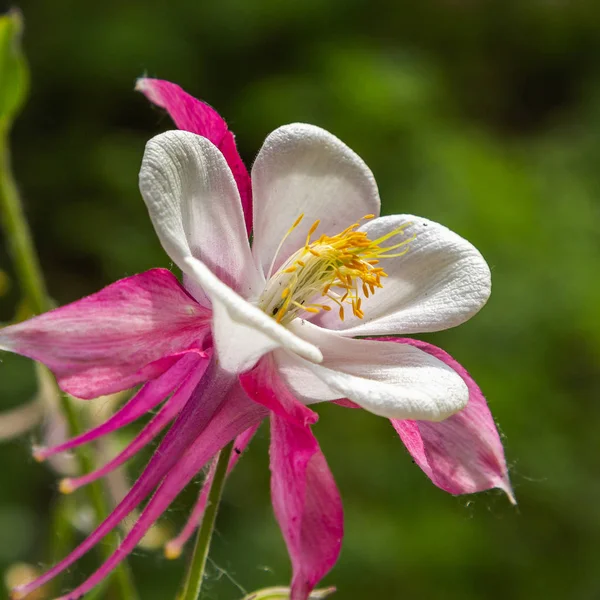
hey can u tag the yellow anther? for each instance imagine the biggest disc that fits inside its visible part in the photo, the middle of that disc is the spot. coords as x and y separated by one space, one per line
66 486
297 222
172 550
340 267
313 227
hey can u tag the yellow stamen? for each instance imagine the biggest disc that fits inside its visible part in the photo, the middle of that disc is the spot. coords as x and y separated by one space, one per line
339 267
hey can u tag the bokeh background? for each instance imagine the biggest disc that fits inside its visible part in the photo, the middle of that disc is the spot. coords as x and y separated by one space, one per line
481 114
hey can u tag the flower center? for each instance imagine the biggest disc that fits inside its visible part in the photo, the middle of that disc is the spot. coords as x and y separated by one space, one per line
332 270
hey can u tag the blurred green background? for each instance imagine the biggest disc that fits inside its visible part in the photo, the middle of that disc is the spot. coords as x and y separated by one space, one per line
481 114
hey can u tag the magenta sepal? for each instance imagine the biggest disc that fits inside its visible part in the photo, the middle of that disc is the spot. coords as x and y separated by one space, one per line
167 413
129 332
264 386
196 116
149 397
306 500
462 454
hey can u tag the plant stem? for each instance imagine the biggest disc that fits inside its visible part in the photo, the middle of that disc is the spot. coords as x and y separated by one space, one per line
20 243
29 274
195 575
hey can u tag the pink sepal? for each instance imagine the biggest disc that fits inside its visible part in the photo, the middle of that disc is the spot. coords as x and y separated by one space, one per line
264 386
306 502
196 116
167 413
149 397
464 453
116 338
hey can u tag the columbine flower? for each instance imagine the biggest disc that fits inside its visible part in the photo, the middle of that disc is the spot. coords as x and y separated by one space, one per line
269 328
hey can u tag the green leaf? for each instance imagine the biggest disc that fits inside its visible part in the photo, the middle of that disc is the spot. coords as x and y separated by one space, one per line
14 77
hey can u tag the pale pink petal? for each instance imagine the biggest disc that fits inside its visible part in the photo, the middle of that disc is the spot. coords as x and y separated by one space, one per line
302 169
196 116
306 502
150 395
264 385
195 208
116 338
464 453
440 282
233 416
173 547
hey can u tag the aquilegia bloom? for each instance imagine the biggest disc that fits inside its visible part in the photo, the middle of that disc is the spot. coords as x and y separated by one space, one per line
269 328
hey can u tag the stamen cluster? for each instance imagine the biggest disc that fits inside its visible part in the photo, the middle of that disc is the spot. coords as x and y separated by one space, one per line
333 270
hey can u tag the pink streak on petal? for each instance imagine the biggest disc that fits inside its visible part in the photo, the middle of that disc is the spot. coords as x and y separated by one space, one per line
168 412
196 116
306 502
235 415
346 403
197 513
150 396
264 386
198 413
464 453
115 338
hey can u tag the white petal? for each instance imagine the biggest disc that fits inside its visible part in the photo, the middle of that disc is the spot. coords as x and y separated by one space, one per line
307 387
195 207
392 380
441 282
242 332
304 169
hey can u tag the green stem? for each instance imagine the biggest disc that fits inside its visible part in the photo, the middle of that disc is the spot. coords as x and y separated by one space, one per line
195 575
20 243
29 274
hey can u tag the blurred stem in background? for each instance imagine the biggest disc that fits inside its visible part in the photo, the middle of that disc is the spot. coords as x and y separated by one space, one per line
13 90
195 575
